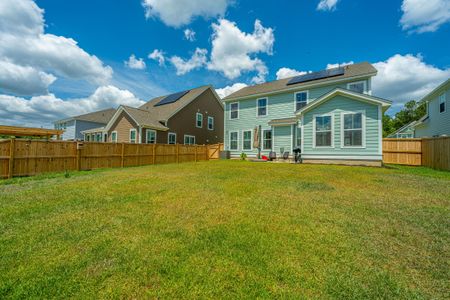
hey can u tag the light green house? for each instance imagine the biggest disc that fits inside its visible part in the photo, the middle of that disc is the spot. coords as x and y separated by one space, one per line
330 115
405 132
436 122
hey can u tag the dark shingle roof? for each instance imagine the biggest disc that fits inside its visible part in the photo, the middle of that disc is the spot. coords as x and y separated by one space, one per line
145 118
101 116
354 70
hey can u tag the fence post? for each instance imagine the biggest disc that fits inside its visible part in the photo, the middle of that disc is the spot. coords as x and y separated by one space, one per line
122 155
154 154
11 157
207 152
195 153
178 152
78 145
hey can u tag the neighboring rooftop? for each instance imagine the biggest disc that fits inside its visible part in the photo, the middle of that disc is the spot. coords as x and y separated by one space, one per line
145 118
102 116
350 71
163 111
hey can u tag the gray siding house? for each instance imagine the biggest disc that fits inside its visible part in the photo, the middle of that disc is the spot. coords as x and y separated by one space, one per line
437 120
73 126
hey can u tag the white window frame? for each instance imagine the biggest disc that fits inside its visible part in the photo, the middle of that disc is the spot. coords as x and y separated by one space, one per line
332 131
238 105
135 136
212 119
196 120
257 107
356 82
237 140
114 140
147 131
295 98
363 128
263 139
87 137
168 138
442 97
189 137
251 140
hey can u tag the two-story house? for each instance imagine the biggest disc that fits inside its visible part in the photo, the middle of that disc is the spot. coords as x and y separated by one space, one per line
330 115
189 117
73 126
436 122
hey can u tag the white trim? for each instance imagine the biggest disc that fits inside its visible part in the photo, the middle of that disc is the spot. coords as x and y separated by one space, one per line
295 98
117 136
238 106
129 135
237 140
292 139
344 157
303 87
332 131
196 119
356 82
207 124
338 91
251 140
380 130
140 135
189 136
267 107
146 135
168 137
302 132
363 129
369 86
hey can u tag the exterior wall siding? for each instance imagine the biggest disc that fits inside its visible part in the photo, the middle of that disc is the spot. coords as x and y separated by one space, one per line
280 106
69 132
438 123
282 139
84 125
335 107
123 125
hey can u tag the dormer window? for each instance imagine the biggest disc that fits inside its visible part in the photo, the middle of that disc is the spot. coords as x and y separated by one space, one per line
301 100
359 87
442 103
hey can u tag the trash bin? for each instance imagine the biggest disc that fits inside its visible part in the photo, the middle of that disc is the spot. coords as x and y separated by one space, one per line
225 154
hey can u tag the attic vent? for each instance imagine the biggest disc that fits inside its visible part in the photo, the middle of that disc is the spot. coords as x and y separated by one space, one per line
171 98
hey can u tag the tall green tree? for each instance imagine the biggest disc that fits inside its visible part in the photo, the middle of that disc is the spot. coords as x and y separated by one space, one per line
411 111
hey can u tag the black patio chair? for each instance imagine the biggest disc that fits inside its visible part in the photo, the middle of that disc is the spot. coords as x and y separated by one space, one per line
272 155
286 155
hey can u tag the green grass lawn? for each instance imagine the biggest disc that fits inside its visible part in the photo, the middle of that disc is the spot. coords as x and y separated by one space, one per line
227 229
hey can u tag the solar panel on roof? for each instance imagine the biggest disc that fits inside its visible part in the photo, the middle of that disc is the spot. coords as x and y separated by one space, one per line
317 75
171 98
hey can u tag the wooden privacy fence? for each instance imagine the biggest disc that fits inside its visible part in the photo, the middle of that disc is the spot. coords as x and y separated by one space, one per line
31 157
429 152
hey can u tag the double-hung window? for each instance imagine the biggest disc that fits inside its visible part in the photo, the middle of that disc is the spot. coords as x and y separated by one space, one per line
301 100
171 138
210 123
261 107
234 110
442 103
247 140
114 136
199 120
267 139
189 139
133 136
151 136
234 136
353 129
323 131
359 87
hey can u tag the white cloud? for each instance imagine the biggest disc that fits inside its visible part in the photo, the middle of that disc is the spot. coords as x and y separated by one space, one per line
327 5
43 110
23 80
424 15
189 34
233 50
158 55
198 60
287 72
181 12
24 43
406 77
228 90
135 63
332 66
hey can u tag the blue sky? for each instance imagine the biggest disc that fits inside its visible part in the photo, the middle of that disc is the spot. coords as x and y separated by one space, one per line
234 43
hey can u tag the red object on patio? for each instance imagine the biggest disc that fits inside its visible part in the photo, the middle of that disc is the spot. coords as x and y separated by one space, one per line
265 157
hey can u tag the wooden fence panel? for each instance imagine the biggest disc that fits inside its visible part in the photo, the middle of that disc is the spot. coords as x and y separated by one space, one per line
214 151
402 151
100 155
4 158
436 153
166 154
